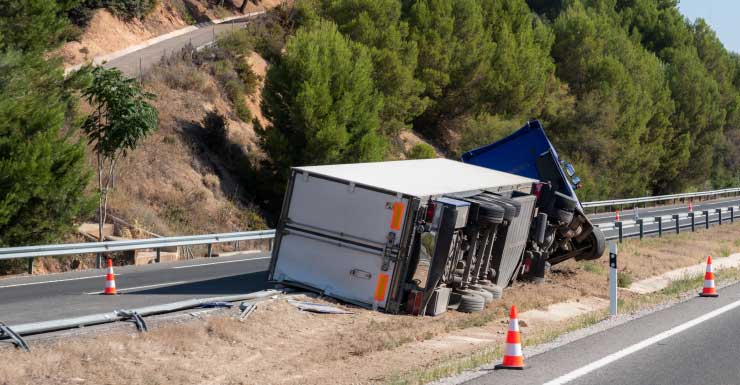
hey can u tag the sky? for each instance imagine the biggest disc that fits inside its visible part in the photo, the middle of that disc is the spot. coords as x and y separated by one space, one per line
722 15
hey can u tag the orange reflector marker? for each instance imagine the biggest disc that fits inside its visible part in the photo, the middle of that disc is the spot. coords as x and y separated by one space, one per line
397 215
381 287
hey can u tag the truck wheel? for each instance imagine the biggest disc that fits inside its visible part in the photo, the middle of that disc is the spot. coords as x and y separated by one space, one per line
598 244
471 303
495 290
487 295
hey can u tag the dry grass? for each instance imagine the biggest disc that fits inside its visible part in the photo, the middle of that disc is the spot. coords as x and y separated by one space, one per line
173 183
281 345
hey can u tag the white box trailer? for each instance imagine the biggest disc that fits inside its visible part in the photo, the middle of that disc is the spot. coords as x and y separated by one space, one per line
347 230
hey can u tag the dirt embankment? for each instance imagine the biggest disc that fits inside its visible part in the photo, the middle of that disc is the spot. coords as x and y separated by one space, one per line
279 344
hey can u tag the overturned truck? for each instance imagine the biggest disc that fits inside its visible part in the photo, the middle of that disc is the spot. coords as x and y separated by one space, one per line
424 236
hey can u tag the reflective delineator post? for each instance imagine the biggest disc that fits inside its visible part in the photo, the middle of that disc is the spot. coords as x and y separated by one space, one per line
612 278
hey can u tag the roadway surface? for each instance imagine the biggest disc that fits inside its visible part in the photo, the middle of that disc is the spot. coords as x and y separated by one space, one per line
694 351
56 296
144 58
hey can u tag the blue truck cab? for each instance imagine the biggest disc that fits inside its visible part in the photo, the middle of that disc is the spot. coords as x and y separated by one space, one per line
561 230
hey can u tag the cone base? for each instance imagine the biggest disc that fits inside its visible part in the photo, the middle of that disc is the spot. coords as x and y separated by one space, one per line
708 295
502 366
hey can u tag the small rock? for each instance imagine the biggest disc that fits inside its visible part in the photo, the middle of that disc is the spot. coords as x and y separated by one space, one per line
522 323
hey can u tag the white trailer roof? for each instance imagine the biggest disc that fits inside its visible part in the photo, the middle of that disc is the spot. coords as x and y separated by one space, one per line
419 177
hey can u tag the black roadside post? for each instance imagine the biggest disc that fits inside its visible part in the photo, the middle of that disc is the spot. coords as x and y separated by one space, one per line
30 266
659 220
210 250
619 228
706 218
158 255
719 212
693 222
732 214
642 227
678 225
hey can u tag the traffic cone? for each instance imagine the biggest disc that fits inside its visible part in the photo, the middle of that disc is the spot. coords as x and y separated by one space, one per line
709 290
616 219
110 280
691 207
513 358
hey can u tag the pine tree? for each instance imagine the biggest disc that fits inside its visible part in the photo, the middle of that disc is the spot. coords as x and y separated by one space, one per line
42 167
322 104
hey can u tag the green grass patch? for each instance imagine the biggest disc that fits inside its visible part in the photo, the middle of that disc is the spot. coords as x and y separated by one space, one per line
593 267
624 279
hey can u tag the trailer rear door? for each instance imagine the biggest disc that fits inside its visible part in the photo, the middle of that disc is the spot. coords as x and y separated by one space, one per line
340 238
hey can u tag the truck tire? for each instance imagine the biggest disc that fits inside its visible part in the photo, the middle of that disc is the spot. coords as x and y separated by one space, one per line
471 303
598 244
487 296
495 290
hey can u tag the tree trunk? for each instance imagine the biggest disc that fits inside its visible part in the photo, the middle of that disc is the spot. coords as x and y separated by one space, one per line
101 209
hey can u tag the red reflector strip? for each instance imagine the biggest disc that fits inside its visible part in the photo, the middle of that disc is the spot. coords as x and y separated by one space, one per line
381 287
397 215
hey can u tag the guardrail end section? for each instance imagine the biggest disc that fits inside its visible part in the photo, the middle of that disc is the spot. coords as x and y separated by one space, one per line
7 332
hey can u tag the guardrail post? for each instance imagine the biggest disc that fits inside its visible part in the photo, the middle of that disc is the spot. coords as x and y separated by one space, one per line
99 262
732 214
612 278
706 218
693 222
30 266
719 212
678 225
619 228
660 226
270 244
158 255
210 250
642 227
237 246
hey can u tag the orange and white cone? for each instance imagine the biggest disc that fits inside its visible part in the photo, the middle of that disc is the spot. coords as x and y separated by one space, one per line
691 207
709 290
110 280
616 217
513 358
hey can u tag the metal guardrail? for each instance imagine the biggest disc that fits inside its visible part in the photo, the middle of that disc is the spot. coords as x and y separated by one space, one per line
658 198
668 223
32 252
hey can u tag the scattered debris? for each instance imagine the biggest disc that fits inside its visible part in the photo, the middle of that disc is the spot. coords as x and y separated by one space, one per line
247 309
317 307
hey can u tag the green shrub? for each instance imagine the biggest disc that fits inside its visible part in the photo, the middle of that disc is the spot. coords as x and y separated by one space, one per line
422 151
247 76
215 130
624 279
242 111
237 43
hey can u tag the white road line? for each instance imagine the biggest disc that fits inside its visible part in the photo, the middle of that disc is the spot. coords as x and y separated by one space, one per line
56 280
220 262
144 287
582 371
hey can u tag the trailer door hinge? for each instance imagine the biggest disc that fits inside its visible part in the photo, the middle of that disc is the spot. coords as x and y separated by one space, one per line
390 252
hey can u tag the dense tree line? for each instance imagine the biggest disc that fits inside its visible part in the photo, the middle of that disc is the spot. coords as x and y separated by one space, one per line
43 173
641 99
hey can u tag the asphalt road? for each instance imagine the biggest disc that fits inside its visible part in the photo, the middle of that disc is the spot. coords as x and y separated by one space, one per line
673 346
144 58
55 296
